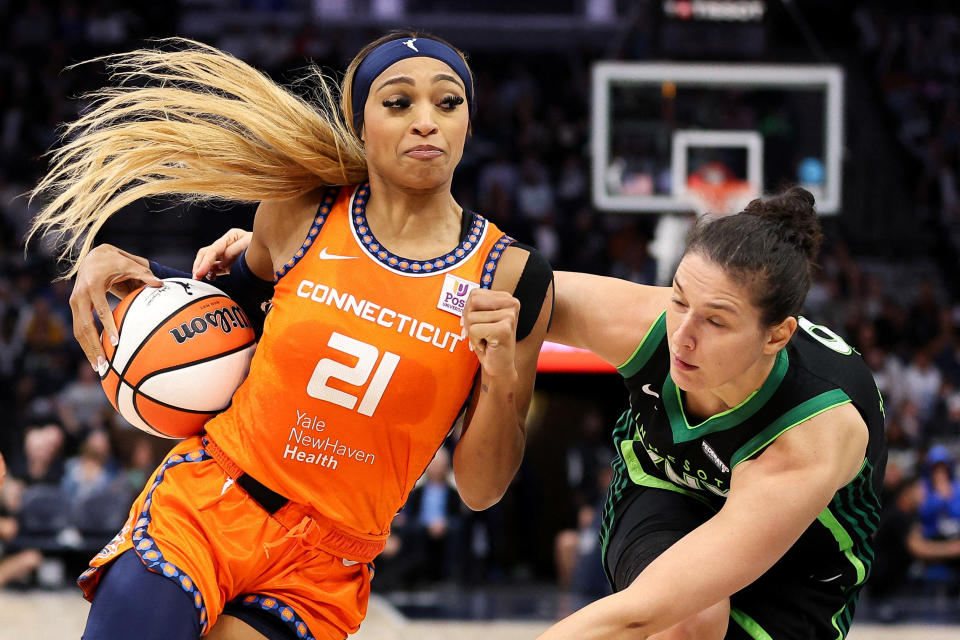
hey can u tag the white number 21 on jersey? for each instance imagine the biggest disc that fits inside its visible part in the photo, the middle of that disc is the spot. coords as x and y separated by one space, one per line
357 375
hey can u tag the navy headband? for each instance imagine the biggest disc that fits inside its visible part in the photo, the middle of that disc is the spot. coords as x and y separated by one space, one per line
388 53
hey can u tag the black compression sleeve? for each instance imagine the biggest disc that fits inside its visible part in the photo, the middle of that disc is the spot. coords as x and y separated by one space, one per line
246 289
531 290
163 271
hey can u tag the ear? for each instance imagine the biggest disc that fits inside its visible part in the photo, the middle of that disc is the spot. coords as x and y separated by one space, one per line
779 335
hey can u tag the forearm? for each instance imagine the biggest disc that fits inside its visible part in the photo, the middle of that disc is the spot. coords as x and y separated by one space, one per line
240 283
611 617
715 560
491 447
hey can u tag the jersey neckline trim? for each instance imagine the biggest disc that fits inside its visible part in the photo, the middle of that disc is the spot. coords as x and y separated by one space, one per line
365 238
800 413
638 359
683 431
329 198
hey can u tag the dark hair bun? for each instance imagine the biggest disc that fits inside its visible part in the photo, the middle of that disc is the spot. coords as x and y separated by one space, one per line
793 212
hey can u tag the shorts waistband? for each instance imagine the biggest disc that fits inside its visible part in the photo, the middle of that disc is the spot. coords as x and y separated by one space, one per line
321 531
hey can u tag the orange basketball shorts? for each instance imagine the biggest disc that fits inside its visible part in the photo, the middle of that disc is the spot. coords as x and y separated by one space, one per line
194 525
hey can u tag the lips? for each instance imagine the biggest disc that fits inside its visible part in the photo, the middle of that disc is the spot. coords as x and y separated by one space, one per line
683 366
424 152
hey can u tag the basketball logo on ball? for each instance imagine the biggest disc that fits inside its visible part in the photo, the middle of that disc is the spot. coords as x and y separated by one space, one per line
183 349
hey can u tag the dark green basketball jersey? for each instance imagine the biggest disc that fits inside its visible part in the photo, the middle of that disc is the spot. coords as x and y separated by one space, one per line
657 446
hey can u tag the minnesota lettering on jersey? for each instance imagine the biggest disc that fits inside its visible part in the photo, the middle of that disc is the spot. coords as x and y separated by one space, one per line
697 479
383 316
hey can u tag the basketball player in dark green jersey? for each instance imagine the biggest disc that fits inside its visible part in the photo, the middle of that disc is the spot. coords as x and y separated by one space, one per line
749 464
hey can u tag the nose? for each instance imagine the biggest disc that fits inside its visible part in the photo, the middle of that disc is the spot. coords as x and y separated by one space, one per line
423 123
683 336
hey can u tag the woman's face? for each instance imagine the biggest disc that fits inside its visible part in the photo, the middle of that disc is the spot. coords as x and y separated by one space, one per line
415 123
714 330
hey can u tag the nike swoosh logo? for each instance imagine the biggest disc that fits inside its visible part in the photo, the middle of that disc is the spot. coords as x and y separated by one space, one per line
650 392
323 255
833 578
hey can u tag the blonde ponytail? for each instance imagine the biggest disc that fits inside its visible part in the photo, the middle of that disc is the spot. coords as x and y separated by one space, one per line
196 124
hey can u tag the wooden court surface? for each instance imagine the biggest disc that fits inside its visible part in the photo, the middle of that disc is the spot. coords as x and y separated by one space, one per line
60 615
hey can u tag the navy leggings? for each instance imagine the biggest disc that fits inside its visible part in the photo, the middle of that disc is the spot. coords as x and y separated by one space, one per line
134 603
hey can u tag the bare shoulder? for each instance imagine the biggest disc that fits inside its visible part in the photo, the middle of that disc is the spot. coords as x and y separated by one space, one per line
608 316
510 267
282 225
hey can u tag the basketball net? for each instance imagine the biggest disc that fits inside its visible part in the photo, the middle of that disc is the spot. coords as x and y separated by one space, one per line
714 189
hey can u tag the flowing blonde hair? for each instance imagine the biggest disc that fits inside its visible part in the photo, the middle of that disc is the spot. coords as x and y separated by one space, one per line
197 124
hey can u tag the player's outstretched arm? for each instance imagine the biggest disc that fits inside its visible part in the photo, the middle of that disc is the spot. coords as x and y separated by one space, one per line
608 316
491 447
772 500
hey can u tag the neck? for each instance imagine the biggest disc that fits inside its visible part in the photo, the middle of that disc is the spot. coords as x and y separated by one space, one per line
710 402
397 213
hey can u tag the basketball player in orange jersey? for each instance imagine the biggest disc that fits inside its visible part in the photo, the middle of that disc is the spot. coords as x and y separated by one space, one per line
387 297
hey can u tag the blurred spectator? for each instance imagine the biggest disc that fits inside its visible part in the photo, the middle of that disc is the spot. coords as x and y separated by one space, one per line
424 540
19 564
939 514
535 199
41 462
81 404
92 470
546 238
433 524
948 359
572 186
944 424
586 458
900 543
40 467
40 328
143 460
940 510
921 381
11 346
924 316
888 374
577 554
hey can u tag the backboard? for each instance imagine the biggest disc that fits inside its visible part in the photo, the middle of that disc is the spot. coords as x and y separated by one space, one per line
656 125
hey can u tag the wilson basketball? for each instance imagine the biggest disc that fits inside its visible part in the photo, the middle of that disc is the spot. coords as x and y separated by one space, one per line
183 349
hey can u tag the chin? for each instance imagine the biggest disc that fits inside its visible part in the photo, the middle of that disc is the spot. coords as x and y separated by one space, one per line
423 180
684 380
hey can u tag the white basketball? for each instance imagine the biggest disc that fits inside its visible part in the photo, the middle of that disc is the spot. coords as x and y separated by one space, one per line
183 350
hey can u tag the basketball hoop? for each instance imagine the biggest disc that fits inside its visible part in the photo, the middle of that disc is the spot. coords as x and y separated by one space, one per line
714 189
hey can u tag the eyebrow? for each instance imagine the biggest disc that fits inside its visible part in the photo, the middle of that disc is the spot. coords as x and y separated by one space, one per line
410 81
449 78
722 306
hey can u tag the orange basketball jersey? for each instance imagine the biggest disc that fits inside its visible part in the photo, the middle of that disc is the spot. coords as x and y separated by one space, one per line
362 368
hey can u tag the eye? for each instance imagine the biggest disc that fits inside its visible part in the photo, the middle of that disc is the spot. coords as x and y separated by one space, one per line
715 322
677 302
449 103
400 102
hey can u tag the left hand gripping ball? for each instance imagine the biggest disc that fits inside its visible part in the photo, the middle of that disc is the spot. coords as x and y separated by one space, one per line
183 350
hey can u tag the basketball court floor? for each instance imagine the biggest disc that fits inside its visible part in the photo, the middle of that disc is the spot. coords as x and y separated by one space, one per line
60 615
